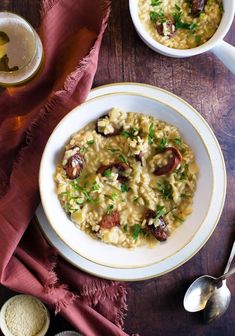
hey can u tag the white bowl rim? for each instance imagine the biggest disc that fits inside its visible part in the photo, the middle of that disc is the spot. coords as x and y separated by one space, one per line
172 107
220 33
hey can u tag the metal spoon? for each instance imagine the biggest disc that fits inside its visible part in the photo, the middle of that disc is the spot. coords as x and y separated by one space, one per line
206 287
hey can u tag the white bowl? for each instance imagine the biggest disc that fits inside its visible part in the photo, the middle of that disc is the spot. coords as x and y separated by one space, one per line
207 203
224 51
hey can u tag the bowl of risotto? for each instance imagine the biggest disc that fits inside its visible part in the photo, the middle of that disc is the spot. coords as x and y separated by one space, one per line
183 28
127 180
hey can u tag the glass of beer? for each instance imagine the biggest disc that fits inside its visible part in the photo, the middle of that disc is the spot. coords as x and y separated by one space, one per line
21 50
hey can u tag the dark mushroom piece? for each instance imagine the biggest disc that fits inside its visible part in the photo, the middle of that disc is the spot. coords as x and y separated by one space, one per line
121 167
110 220
139 157
158 231
197 6
166 28
74 164
172 163
115 131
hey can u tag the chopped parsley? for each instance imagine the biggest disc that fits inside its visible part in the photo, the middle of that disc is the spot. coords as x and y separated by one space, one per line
95 187
157 16
110 209
113 150
83 149
131 133
184 175
162 143
79 200
156 2
160 210
151 134
177 141
198 39
177 17
123 158
107 173
90 142
165 189
112 197
124 187
136 231
125 227
68 209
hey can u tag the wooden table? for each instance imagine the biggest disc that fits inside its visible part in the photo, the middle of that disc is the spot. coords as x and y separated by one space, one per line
155 306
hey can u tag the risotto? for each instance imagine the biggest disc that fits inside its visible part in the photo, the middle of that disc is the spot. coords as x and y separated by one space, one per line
127 179
180 24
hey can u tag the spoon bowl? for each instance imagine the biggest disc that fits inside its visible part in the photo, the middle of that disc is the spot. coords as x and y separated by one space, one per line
217 303
210 294
198 293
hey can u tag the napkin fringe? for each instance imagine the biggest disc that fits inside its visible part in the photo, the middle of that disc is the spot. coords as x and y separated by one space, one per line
121 314
68 299
52 285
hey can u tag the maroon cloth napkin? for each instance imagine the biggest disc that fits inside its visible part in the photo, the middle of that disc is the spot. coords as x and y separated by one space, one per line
71 32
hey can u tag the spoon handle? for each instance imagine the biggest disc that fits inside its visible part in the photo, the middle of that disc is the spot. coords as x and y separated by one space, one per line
226 275
230 258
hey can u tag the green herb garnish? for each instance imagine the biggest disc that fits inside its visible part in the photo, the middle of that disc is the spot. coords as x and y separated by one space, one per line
160 210
113 196
157 16
151 134
83 149
136 231
110 209
198 39
123 159
95 187
124 187
113 150
162 143
177 141
156 2
130 133
177 16
125 227
165 189
107 173
79 201
90 142
184 175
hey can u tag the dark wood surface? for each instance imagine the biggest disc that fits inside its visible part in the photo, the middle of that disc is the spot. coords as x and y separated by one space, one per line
155 306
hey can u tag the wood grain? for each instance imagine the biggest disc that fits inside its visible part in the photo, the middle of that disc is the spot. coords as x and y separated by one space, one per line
156 306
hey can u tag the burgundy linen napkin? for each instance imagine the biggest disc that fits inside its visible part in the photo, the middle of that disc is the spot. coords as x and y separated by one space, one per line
71 32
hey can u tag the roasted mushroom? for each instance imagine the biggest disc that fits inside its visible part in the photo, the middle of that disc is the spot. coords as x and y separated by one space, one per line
172 163
139 157
74 164
197 6
159 230
110 220
166 28
121 167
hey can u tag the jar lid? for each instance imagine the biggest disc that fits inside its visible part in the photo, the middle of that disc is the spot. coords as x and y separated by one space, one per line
24 315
